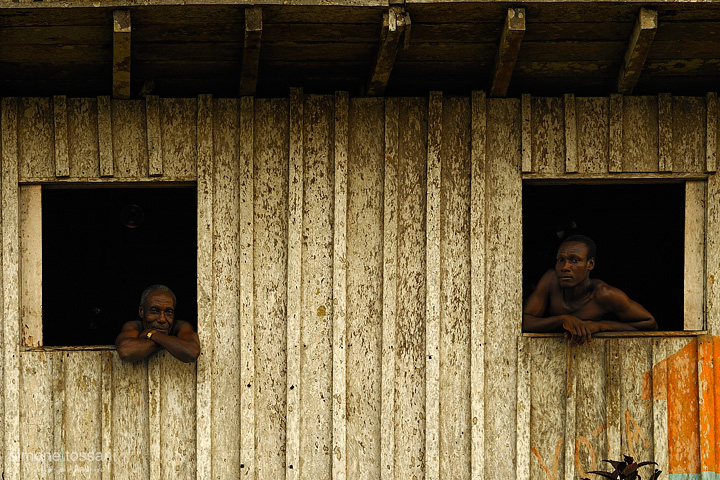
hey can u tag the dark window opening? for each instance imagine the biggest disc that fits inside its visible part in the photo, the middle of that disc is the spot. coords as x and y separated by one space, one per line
102 247
638 230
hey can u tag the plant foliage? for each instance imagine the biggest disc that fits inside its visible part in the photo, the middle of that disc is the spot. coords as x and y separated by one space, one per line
626 470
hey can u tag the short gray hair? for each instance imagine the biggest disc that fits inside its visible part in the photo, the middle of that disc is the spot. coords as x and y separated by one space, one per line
156 288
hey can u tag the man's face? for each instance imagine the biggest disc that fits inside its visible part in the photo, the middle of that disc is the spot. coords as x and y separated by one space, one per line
571 265
158 311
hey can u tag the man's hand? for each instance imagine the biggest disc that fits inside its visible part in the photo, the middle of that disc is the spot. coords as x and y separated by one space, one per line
579 331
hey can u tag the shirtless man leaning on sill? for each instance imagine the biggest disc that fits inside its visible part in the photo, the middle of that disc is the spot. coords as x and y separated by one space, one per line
567 298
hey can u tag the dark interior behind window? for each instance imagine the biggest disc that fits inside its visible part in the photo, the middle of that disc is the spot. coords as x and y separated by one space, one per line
638 230
102 247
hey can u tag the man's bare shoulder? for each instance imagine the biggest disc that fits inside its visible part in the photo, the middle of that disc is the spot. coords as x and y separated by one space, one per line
132 325
606 295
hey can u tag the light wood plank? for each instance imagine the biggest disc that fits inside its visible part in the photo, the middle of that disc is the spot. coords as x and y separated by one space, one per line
10 286
394 22
83 137
706 406
477 285
58 402
129 139
271 236
340 286
694 255
527 157
590 435
660 404
247 288
35 139
366 237
294 276
665 135
178 120
389 289
36 417
571 411
548 135
105 137
106 425
508 50
154 136
178 457
712 252
640 134
593 122
432 305
616 133
711 129
155 385
688 133
62 162
205 283
31 244
251 50
226 389
571 160
613 375
523 408
637 50
122 30
637 415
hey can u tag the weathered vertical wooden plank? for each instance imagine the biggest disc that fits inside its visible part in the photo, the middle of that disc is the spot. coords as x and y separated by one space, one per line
571 411
35 142
389 288
271 288
527 150
711 131
82 414
640 130
83 137
129 137
613 376
637 416
712 254
694 255
366 238
247 288
548 136
592 134
504 187
317 302
294 279
523 408
616 133
178 458
226 328
58 402
179 137
31 254
36 416
10 285
155 387
410 445
454 348
106 152
716 394
688 134
205 283
548 393
571 161
154 136
660 403
131 441
477 285
683 413
62 163
432 298
340 255
665 134
706 407
107 414
590 441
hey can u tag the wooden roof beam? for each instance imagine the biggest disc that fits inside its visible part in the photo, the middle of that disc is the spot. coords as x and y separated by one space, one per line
508 50
121 54
637 51
395 21
251 50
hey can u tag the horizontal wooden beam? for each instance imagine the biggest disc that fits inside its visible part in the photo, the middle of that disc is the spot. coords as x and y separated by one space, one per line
251 50
508 50
395 20
121 54
637 51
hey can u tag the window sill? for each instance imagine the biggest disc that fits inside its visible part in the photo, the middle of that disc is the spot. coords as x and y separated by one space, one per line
660 334
73 348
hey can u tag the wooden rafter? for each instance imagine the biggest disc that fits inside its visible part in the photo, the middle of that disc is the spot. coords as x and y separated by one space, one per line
637 51
395 21
121 54
508 51
251 50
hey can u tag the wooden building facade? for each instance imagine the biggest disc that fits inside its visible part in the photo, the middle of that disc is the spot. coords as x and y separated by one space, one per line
359 292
